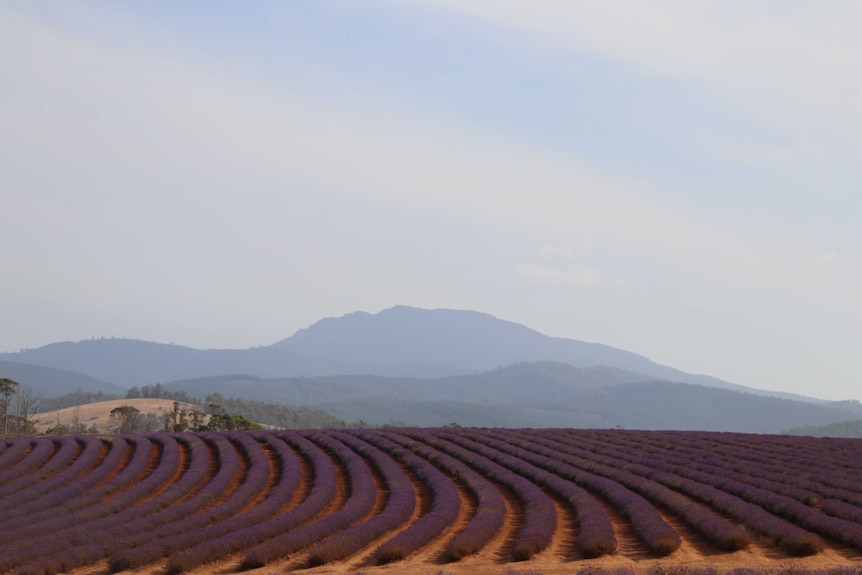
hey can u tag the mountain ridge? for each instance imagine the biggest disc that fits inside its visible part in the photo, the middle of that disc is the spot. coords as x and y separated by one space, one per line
399 341
542 394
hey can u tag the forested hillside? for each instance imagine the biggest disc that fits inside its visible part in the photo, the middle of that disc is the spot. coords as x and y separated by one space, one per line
852 428
542 394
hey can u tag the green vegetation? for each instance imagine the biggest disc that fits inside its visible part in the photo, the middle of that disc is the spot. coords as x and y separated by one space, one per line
158 391
126 418
272 414
852 428
77 397
71 429
542 394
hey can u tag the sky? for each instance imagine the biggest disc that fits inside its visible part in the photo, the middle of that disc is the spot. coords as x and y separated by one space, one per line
680 179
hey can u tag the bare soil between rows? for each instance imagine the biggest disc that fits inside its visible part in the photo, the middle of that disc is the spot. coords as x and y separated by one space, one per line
562 556
558 559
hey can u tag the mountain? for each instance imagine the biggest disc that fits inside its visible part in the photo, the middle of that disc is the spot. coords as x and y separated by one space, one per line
398 342
450 342
47 381
455 340
542 394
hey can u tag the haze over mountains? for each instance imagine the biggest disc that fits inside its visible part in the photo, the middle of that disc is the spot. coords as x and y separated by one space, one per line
400 341
430 367
539 394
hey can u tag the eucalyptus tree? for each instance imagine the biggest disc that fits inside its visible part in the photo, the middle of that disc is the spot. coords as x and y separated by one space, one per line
8 388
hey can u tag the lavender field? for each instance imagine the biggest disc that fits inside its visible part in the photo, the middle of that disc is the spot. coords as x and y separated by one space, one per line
427 500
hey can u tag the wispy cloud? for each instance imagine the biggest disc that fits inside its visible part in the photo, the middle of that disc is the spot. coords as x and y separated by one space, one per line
786 55
559 265
791 68
824 258
579 275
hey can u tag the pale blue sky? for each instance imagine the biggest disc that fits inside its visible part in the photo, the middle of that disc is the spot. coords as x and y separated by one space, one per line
679 179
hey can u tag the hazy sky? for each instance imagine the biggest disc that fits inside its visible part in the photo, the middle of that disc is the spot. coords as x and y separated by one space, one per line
680 179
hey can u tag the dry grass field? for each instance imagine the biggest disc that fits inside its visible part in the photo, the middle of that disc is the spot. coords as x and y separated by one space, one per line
99 413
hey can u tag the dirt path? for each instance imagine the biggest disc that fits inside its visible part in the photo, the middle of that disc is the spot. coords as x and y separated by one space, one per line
423 505
693 547
121 464
564 545
434 552
499 548
273 476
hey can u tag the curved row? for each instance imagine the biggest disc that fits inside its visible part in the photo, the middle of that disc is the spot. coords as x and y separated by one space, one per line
79 458
757 467
771 498
134 510
324 496
397 509
539 512
792 537
363 493
201 517
445 503
490 512
596 535
38 454
86 505
711 526
207 545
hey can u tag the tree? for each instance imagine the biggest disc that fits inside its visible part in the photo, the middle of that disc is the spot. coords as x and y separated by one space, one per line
220 420
150 422
126 418
8 388
27 404
182 419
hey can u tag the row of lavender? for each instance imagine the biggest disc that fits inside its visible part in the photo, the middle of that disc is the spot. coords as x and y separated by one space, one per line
830 484
777 507
72 501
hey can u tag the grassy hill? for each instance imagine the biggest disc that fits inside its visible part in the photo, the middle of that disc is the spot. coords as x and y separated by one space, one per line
99 414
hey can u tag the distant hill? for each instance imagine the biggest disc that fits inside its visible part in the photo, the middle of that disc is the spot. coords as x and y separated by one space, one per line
851 428
129 362
398 342
541 394
48 381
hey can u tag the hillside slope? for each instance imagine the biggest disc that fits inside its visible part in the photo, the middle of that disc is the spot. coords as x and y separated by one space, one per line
98 414
542 394
49 381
